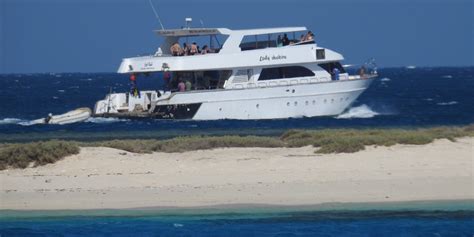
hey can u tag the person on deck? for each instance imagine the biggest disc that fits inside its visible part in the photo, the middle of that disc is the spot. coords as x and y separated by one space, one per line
175 49
310 36
186 49
166 81
181 86
362 72
133 86
48 118
193 49
188 85
335 73
285 41
205 49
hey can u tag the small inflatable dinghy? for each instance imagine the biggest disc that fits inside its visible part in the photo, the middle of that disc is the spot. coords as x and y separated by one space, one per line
73 116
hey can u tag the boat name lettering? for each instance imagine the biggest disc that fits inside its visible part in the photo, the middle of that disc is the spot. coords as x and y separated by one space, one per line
148 64
273 57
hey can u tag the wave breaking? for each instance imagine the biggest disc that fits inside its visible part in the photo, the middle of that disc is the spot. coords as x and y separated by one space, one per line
362 111
105 120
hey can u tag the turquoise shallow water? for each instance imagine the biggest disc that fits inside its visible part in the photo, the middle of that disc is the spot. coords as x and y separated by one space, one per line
438 218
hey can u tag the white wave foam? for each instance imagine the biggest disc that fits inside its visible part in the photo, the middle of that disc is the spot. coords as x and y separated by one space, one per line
385 79
16 121
24 122
104 120
410 67
362 111
28 123
447 103
447 76
10 121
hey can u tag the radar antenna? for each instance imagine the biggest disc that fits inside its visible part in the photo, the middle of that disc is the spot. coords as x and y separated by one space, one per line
156 14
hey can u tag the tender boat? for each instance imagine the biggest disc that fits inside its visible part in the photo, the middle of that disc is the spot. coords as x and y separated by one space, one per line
237 74
73 116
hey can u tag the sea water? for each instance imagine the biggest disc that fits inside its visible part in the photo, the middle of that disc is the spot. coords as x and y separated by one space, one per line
453 218
401 97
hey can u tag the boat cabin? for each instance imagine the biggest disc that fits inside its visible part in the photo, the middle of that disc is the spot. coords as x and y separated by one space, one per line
221 49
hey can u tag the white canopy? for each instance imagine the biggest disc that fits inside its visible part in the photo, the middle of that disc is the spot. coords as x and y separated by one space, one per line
225 31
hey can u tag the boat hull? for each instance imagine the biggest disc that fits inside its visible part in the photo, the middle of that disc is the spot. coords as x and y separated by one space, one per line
309 100
273 102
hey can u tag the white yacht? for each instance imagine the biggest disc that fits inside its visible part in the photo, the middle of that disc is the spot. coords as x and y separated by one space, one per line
238 74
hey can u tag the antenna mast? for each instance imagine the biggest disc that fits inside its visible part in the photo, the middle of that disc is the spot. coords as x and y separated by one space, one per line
156 14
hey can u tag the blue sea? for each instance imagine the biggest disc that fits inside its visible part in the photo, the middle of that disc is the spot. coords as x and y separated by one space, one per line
443 218
401 97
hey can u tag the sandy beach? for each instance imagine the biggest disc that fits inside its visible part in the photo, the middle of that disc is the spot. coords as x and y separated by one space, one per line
101 178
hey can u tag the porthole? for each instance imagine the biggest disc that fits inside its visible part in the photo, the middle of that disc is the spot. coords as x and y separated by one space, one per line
314 102
296 103
287 103
325 100
332 100
293 91
347 98
257 106
220 109
306 103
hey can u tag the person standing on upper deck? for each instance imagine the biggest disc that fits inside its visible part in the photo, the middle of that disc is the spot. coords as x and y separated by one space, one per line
186 49
310 36
194 49
175 49
205 49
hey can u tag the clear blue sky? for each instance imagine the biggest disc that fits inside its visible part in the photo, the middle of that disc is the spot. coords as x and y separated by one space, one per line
94 35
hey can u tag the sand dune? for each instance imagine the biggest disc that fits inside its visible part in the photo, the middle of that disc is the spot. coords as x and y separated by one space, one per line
100 178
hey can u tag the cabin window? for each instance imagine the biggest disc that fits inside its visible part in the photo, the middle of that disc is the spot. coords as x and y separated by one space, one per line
320 54
242 76
285 72
329 67
200 80
250 42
